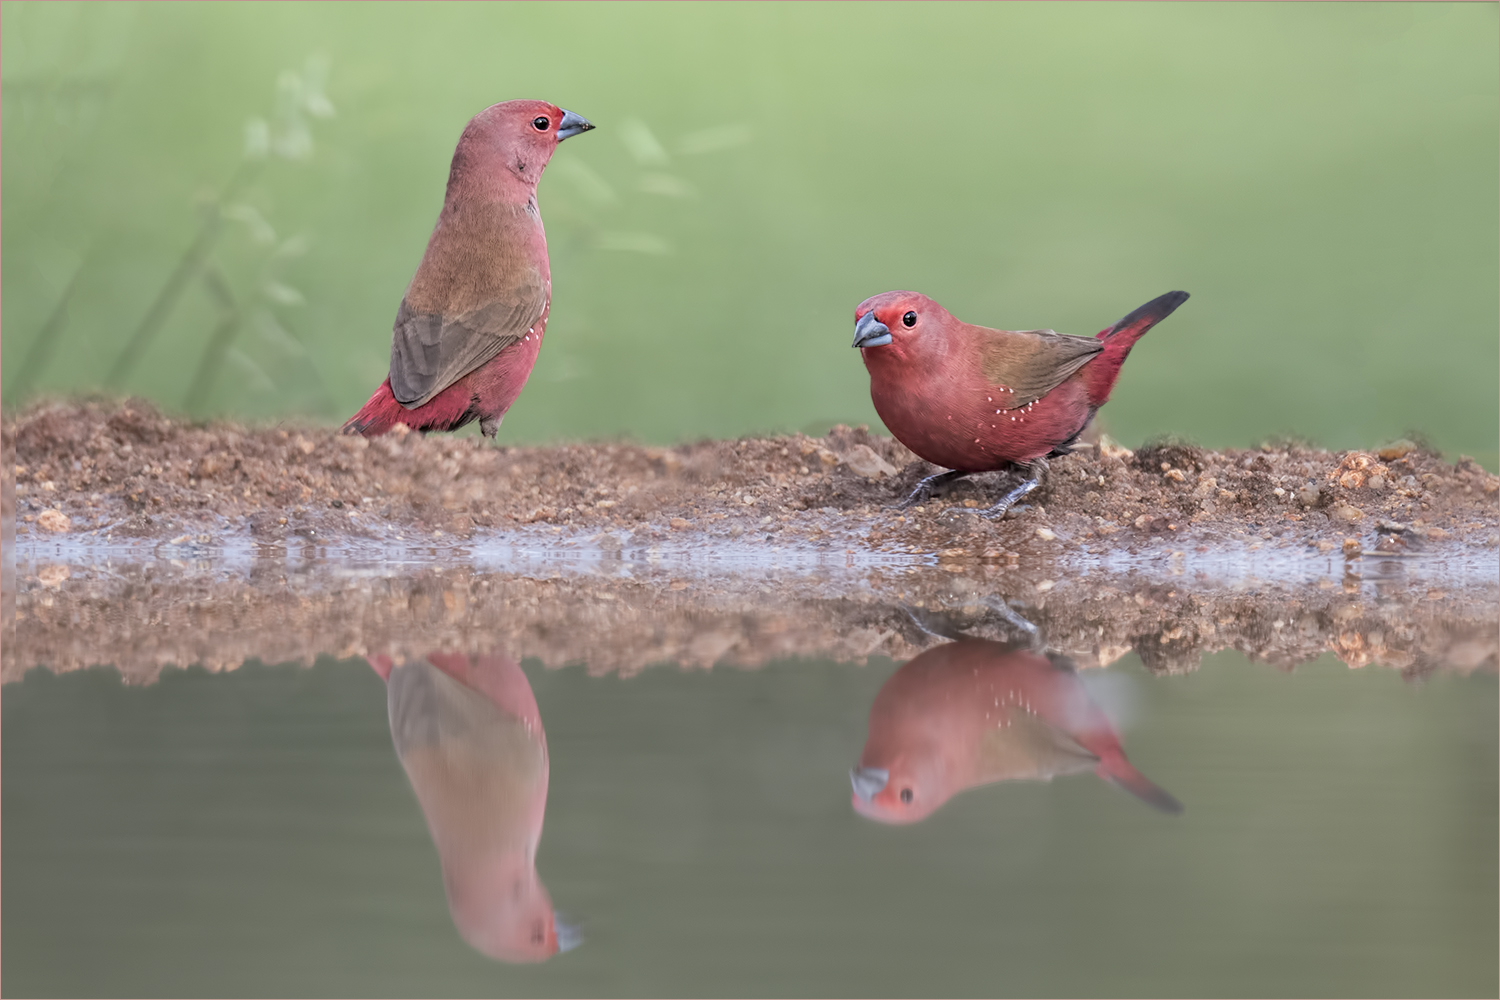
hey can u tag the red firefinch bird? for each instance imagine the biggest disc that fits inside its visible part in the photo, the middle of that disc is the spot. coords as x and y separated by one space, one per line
972 399
471 323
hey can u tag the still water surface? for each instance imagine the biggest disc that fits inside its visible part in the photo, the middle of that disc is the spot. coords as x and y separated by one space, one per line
377 828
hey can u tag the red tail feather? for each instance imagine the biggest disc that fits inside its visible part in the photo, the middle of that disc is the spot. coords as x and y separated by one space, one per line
379 415
1120 338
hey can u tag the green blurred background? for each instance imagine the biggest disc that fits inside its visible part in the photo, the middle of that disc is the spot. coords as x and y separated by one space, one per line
1321 177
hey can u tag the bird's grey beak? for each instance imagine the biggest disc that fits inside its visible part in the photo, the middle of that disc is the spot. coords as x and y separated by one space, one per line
568 935
870 332
572 125
868 781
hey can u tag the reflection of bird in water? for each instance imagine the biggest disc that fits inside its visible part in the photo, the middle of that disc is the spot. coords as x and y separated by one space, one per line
973 712
471 741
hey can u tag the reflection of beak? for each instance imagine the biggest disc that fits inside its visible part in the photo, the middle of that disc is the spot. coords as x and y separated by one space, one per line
868 781
870 332
572 125
568 935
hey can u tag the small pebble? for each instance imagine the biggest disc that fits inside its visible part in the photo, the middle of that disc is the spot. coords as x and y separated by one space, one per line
1344 512
1395 450
862 460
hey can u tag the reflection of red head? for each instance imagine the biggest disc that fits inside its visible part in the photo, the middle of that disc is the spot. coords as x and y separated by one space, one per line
471 741
501 908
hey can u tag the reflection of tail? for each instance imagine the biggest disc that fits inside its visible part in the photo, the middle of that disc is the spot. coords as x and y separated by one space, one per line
383 665
1120 338
1119 771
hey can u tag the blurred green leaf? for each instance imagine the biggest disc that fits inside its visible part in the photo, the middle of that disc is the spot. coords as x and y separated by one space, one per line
712 140
666 184
646 243
255 376
283 294
642 143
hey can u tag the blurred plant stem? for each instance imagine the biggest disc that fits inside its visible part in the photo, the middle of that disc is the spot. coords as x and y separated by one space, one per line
287 136
218 342
192 260
44 346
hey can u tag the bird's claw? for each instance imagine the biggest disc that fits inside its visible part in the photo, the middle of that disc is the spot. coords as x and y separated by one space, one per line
1001 511
925 488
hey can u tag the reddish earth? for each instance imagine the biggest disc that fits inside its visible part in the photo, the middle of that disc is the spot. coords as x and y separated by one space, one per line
122 470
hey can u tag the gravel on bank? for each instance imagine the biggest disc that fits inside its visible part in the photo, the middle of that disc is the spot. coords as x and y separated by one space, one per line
122 470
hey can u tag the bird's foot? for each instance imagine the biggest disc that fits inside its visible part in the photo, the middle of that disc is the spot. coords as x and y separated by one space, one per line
1031 482
1007 512
1007 504
925 489
1008 501
1005 611
929 624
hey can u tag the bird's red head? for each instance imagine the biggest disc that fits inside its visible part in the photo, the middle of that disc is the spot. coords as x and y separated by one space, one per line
907 325
508 145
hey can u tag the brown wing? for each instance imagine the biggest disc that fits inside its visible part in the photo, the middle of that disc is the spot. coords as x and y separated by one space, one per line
430 352
1031 363
1028 747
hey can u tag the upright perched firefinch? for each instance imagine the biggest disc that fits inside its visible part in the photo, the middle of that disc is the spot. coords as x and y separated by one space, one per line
471 323
471 741
972 712
972 399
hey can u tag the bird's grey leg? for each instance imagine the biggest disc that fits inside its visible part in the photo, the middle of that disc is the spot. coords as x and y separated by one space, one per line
1015 620
1033 479
925 488
934 629
489 425
1033 473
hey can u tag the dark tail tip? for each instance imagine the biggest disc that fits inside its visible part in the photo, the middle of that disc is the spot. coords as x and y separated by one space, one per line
1141 787
1152 312
1160 798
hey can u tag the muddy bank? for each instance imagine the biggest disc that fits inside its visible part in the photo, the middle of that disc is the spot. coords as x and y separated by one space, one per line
114 471
622 615
143 542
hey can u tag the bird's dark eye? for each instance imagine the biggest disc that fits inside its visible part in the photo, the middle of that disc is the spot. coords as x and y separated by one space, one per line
540 124
906 792
910 319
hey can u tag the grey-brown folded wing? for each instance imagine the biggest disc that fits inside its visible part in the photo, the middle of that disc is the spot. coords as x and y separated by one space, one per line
1031 363
430 352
